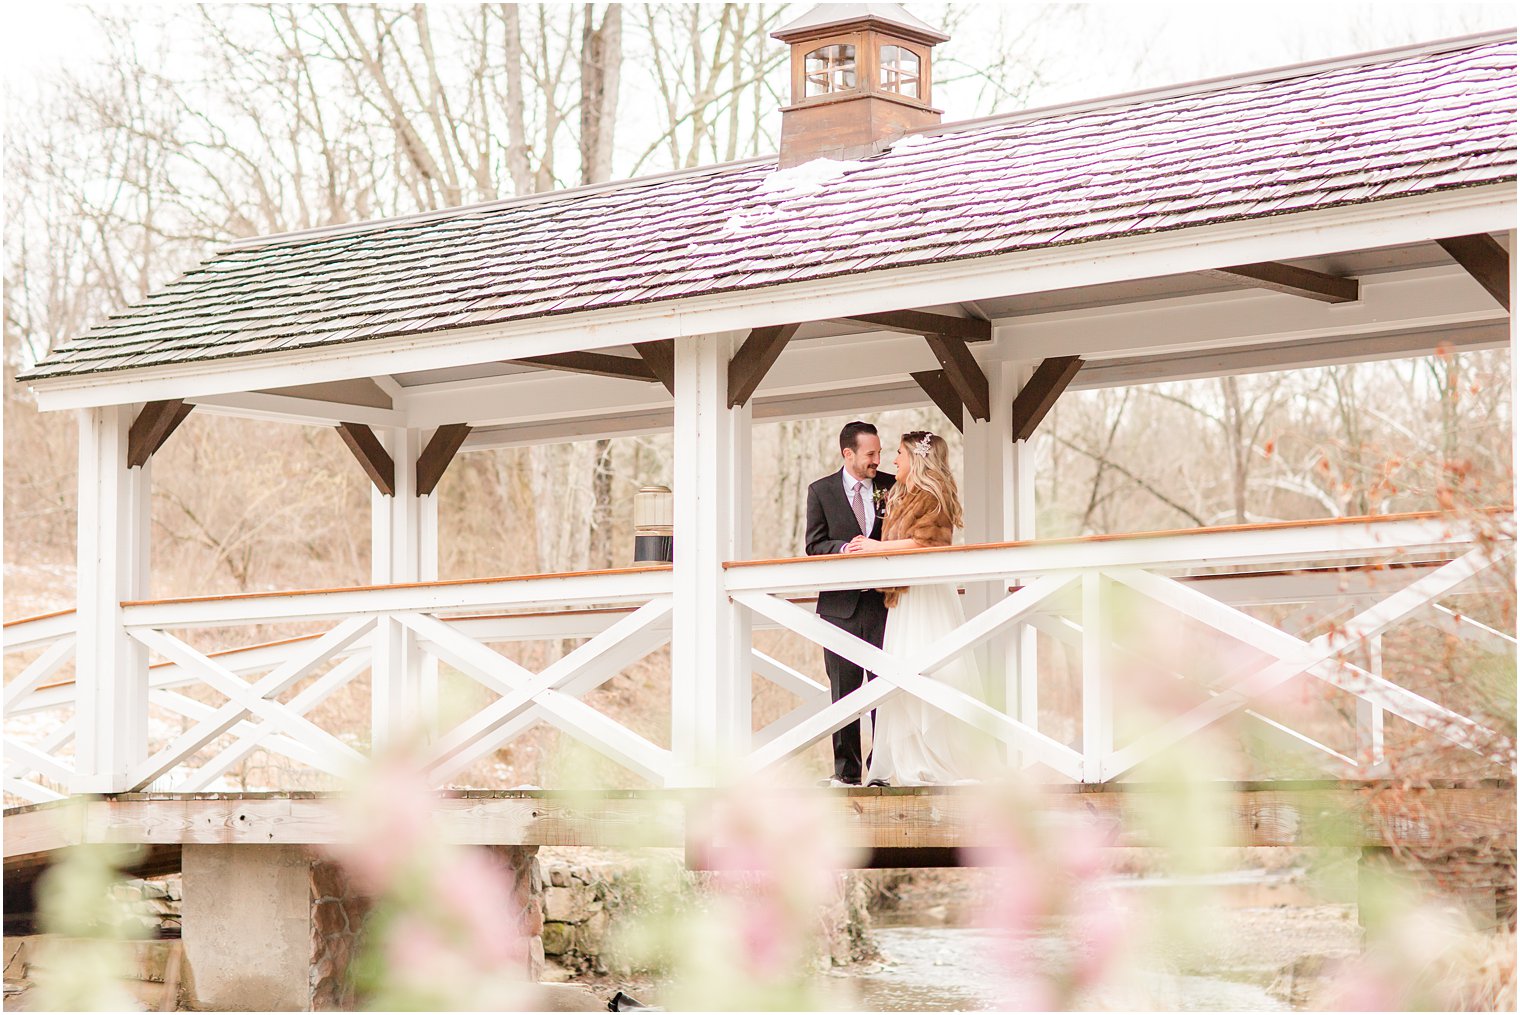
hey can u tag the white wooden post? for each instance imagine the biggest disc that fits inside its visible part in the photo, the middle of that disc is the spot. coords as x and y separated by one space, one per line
1097 694
988 497
1369 714
404 548
114 539
710 637
1022 671
1513 566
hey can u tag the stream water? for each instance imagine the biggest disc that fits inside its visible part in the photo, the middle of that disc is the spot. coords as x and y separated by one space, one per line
948 969
938 960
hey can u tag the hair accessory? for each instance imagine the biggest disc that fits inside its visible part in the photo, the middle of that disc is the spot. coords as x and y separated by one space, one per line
924 446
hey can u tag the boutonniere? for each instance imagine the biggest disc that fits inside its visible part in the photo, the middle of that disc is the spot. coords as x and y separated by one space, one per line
879 500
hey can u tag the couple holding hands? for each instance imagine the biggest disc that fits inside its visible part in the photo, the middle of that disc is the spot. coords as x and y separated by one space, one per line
861 509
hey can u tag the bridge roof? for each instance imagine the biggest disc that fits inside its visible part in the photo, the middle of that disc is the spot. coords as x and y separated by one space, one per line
1365 129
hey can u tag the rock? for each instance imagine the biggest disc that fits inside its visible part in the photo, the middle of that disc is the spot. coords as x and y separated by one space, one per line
329 918
1297 981
558 878
536 959
590 935
327 881
533 918
557 938
561 904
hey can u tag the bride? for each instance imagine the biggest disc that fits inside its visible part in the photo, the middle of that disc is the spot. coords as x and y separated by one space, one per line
916 744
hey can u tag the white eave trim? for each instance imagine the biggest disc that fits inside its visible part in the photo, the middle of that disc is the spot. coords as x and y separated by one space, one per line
1470 210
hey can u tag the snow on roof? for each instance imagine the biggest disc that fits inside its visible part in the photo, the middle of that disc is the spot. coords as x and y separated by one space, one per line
1394 125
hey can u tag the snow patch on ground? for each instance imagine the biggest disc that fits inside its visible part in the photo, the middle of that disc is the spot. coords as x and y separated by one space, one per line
31 589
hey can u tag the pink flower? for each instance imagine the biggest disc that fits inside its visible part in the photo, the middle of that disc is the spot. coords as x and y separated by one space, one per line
478 893
415 944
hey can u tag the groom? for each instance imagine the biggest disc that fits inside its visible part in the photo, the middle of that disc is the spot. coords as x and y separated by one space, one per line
841 506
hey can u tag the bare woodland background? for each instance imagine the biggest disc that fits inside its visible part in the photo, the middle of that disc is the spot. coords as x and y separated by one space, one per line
206 123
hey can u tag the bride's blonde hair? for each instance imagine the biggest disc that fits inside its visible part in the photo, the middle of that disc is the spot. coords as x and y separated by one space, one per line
929 471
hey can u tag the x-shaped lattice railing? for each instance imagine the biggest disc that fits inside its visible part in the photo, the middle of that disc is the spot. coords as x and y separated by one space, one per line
1323 658
553 695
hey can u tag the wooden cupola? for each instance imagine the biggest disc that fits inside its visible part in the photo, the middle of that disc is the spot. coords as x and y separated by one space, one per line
861 77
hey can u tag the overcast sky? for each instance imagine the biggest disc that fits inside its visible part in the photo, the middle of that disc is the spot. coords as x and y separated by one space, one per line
1089 51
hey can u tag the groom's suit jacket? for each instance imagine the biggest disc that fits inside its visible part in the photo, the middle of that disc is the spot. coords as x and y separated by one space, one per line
831 523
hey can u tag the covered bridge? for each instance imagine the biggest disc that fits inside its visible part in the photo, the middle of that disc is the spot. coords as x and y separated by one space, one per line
1324 213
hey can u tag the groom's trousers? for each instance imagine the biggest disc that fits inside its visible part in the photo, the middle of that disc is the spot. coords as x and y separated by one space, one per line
868 623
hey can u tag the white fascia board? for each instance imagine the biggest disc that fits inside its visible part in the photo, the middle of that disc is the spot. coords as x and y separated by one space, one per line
1307 234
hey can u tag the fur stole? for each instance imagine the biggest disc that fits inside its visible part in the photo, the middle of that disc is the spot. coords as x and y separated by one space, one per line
917 516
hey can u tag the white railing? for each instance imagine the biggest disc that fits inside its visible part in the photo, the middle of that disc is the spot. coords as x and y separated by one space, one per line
1383 572
38 737
1066 588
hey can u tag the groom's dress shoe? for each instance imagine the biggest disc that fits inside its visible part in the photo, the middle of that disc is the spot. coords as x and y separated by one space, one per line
878 782
836 783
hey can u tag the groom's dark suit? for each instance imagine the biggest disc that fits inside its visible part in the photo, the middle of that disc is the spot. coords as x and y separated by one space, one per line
831 523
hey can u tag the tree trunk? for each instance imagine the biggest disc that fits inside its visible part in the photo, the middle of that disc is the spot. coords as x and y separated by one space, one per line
601 63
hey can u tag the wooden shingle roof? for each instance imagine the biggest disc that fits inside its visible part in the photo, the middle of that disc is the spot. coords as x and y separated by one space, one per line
1391 126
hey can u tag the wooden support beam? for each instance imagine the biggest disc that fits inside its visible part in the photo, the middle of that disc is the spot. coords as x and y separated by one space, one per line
936 385
1485 260
1038 397
152 427
963 372
373 457
440 451
1285 278
599 363
754 359
919 322
660 357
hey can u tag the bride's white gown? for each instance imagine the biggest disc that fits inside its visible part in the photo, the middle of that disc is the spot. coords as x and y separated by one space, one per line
916 744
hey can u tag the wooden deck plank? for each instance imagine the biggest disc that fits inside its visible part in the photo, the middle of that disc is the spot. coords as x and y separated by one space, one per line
1323 813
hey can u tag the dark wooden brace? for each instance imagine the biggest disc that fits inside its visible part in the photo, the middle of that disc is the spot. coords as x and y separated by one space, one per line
964 374
937 386
1035 400
754 360
599 363
922 322
381 468
1485 260
440 451
152 427
660 358
1285 278
373 458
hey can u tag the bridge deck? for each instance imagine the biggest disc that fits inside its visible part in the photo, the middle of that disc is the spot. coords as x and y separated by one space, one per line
1304 813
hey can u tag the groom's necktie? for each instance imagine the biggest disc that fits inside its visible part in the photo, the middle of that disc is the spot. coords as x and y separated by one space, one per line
857 501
